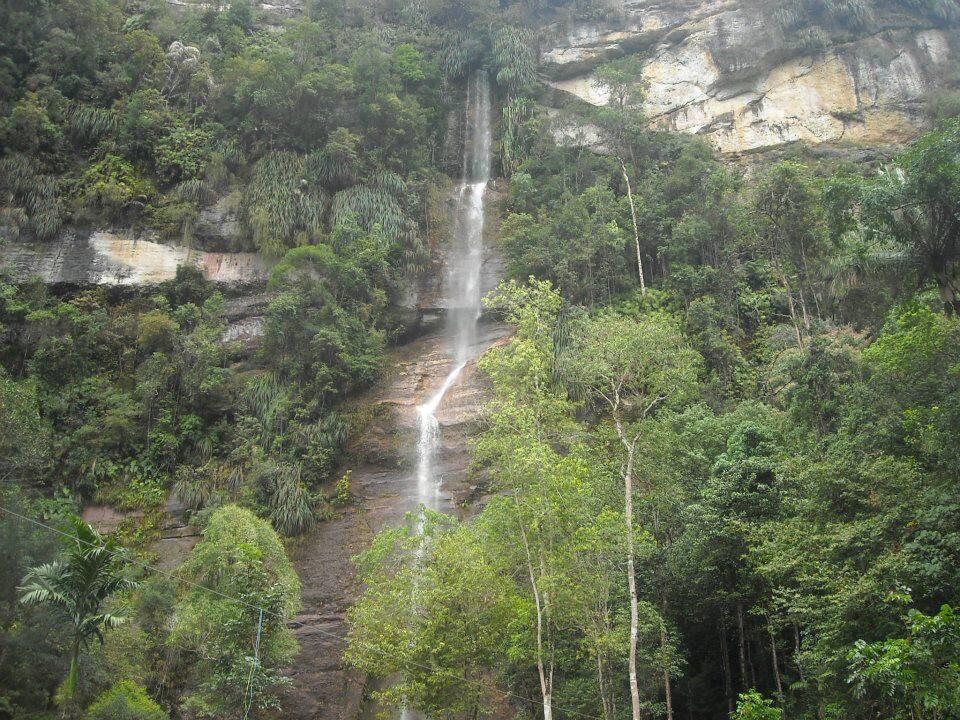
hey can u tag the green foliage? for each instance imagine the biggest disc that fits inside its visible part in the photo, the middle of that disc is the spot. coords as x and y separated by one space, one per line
318 327
35 203
751 705
125 701
513 59
915 675
281 206
77 587
577 243
240 558
184 153
111 186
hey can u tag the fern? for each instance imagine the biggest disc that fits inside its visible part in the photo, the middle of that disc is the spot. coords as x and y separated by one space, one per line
513 57
459 53
31 196
268 400
281 206
291 507
89 124
380 203
514 142
193 488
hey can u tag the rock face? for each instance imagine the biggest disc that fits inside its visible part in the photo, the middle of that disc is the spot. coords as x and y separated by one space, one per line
727 70
115 259
383 484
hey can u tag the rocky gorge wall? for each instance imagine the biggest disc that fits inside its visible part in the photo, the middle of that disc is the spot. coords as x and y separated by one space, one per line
728 71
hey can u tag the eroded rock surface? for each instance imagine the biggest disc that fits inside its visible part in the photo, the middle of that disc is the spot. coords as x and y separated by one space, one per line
727 70
126 259
384 487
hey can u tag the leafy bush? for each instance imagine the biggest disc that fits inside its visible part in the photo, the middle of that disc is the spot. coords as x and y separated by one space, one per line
751 705
125 701
185 152
110 186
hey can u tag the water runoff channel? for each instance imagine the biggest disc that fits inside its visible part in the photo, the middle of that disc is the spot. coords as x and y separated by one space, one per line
463 298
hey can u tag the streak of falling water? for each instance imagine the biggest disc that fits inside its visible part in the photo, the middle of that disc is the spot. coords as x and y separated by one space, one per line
463 294
463 268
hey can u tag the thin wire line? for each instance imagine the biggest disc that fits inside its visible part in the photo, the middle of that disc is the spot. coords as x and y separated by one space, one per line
408 663
253 667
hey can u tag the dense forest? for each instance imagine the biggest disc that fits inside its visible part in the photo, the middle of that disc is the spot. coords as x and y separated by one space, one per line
719 457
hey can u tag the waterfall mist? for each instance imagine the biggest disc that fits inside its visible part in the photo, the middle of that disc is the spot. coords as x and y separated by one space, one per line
463 299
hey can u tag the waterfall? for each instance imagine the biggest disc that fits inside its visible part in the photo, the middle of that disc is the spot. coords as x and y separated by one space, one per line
463 289
463 279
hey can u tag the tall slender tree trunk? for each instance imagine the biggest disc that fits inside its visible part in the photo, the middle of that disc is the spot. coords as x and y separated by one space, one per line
791 304
636 230
540 604
605 699
796 650
743 646
725 657
776 662
667 690
631 579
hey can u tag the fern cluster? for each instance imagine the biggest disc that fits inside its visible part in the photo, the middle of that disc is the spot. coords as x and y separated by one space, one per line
89 124
515 134
291 507
28 199
382 202
459 54
282 207
513 57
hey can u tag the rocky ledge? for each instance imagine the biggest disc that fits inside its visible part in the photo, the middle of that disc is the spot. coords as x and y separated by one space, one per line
126 259
726 69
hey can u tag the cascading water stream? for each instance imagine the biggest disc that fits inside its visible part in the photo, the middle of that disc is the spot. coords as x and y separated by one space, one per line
463 299
463 267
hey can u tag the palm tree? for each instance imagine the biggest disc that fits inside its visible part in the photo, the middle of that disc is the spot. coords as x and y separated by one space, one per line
917 205
77 586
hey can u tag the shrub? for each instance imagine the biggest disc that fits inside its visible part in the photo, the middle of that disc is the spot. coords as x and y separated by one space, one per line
751 705
126 701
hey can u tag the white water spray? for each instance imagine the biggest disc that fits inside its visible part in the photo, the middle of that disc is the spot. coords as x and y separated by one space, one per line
463 290
463 267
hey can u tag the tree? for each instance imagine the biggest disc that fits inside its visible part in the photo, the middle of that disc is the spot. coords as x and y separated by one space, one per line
915 204
125 701
913 676
435 616
790 231
625 84
78 586
627 369
752 705
233 617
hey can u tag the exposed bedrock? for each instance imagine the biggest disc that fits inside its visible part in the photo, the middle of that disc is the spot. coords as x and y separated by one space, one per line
383 480
726 70
111 258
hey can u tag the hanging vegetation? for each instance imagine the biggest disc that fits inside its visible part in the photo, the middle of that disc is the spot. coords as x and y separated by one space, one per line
381 202
29 198
516 136
513 56
282 208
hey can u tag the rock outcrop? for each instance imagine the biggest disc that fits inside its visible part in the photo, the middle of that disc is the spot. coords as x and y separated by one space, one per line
383 485
126 259
729 71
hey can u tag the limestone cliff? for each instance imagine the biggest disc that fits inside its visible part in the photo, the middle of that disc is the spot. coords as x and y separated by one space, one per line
729 71
108 258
